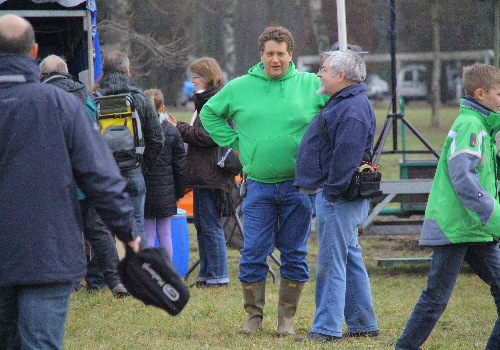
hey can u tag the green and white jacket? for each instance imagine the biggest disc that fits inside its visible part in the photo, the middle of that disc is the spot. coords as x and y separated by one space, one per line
463 204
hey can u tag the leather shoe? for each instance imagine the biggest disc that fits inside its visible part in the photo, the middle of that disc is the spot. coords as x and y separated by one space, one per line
318 338
360 334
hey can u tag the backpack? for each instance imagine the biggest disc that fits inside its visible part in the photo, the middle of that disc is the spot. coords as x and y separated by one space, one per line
121 129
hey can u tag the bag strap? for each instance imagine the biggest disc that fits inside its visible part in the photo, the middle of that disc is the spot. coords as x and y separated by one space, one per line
321 127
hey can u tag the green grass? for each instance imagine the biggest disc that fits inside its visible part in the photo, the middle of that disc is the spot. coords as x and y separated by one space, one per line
211 318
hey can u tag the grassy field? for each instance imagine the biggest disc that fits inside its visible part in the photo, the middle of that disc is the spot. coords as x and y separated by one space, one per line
209 321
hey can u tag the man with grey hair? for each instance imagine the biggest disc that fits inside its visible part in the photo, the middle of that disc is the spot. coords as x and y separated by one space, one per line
54 70
52 64
48 147
338 139
103 265
115 80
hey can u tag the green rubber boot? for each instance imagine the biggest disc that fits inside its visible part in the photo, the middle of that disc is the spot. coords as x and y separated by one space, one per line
254 298
287 305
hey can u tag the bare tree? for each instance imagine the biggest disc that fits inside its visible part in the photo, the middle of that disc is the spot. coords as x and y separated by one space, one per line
318 25
436 71
152 53
228 35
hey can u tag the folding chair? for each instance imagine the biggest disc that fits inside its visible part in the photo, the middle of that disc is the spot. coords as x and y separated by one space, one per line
230 225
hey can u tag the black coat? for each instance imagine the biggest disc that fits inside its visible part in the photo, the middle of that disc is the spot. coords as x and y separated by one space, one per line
165 181
201 169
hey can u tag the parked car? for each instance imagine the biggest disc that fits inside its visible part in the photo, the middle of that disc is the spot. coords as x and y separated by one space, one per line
376 87
411 82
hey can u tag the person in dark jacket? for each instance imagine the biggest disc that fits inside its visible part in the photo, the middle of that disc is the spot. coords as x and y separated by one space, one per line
165 181
48 147
115 80
330 152
212 186
104 262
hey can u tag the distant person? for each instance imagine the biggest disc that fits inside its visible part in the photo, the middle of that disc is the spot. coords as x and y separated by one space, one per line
338 139
271 106
115 80
212 186
164 181
48 147
462 217
104 263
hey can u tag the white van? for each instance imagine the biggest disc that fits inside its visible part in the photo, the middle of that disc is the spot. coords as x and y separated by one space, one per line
411 83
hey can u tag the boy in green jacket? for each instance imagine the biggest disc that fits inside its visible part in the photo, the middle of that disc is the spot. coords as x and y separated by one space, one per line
462 219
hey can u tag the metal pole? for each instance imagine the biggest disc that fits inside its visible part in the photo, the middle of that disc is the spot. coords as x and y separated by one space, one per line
392 38
497 34
342 27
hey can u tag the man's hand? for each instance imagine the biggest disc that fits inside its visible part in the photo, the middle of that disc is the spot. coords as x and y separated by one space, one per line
135 244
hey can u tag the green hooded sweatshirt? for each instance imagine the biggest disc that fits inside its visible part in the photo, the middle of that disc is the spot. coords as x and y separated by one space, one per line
271 116
463 204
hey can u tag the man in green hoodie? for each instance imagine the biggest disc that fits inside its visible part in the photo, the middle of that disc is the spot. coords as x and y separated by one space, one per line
272 107
462 218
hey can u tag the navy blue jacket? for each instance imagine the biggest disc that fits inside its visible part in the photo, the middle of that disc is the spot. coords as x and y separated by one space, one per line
350 123
48 147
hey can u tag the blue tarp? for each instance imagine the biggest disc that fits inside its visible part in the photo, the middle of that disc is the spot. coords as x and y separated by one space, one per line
91 5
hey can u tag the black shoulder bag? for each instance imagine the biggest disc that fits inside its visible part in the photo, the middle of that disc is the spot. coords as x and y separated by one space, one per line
228 160
365 182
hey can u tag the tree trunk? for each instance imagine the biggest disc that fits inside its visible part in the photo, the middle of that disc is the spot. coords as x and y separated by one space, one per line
228 39
318 25
436 71
497 33
123 15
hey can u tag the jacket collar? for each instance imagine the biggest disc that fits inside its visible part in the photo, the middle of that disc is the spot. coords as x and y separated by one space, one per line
347 91
18 69
117 83
490 119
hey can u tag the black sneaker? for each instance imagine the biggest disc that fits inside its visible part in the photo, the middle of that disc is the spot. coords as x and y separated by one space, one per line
93 288
360 334
119 291
216 285
198 284
318 338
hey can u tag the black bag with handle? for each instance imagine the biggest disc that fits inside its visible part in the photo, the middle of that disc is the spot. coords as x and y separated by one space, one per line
151 277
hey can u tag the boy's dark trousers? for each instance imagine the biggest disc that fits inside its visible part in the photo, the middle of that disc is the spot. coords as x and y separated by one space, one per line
483 258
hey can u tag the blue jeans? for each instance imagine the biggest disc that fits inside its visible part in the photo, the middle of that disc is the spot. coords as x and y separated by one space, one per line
136 189
211 241
275 215
484 259
342 285
33 317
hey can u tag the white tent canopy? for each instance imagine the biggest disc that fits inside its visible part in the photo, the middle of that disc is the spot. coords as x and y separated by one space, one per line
65 3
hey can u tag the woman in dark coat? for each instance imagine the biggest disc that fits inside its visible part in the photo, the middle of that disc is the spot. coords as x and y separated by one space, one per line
164 182
211 185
